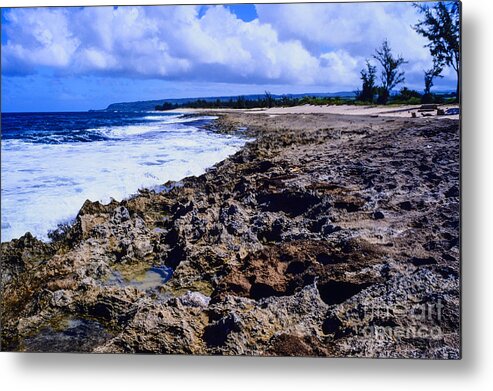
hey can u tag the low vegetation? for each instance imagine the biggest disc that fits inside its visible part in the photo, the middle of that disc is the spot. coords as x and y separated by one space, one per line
404 96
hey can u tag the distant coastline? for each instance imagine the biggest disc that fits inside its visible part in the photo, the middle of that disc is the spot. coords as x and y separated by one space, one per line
151 104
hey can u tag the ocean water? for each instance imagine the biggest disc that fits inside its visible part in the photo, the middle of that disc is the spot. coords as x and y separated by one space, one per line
53 162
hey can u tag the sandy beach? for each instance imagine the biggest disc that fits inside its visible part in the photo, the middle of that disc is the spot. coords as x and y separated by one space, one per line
400 111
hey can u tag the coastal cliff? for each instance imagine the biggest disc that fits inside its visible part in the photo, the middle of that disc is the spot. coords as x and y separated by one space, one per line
326 235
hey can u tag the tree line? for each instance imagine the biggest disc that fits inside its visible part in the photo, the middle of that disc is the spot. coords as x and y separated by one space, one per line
441 26
266 101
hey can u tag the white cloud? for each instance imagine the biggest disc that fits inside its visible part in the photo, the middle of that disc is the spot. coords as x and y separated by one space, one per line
308 44
352 32
342 67
42 37
346 26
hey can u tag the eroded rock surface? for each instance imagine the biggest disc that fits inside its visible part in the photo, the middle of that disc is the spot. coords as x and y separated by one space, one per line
327 235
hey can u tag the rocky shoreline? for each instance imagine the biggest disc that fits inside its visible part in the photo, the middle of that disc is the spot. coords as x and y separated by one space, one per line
327 235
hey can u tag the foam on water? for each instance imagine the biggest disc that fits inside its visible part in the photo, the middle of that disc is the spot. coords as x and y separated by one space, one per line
44 184
178 118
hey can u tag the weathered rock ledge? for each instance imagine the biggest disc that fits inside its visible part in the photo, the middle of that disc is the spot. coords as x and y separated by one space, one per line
327 236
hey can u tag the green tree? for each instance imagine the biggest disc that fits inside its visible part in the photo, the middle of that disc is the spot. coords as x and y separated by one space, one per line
391 76
405 94
368 77
429 76
441 26
240 102
269 100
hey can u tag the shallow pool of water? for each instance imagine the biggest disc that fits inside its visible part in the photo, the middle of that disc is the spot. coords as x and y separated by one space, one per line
151 278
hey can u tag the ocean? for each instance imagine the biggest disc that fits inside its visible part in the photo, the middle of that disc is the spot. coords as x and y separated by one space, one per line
52 162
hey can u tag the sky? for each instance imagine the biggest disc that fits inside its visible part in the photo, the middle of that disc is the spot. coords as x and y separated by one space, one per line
81 58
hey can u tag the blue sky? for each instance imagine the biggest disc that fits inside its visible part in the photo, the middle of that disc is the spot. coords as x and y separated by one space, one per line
62 59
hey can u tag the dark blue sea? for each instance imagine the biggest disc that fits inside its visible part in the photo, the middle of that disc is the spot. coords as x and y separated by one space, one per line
53 162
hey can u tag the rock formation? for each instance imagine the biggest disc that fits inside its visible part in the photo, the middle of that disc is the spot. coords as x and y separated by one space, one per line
325 236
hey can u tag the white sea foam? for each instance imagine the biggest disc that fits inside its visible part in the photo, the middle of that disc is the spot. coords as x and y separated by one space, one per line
132 130
46 184
179 118
157 124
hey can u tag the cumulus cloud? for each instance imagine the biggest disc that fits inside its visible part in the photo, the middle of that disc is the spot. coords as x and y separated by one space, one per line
170 42
306 44
352 31
39 38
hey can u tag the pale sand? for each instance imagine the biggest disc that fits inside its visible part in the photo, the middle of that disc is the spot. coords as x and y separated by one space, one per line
381 111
